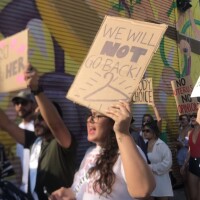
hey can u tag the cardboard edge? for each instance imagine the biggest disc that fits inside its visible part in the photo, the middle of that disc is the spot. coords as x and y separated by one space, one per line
77 74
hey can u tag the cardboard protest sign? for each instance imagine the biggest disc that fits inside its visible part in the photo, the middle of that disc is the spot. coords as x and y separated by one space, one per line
182 89
144 92
196 90
116 62
13 59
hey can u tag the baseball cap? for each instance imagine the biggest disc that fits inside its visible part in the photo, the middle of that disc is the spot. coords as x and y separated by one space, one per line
24 94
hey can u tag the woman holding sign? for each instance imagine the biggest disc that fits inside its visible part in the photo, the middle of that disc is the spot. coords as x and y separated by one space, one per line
115 168
148 118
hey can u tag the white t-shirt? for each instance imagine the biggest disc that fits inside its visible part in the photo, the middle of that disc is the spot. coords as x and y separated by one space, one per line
24 155
83 184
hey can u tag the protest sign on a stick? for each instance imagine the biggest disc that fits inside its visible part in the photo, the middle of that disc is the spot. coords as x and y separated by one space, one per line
182 89
196 90
13 59
116 62
144 92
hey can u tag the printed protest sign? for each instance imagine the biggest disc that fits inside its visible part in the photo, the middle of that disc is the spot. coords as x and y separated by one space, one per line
13 59
144 92
182 89
116 62
196 90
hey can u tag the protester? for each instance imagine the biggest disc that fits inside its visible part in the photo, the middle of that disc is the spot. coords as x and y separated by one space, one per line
182 147
24 104
149 118
135 133
193 159
160 159
114 168
182 140
52 148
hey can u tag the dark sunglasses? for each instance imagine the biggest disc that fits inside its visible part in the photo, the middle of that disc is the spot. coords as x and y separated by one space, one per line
39 117
146 130
23 102
193 115
182 118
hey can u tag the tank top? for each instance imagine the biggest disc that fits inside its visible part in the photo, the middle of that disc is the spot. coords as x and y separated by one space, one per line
194 147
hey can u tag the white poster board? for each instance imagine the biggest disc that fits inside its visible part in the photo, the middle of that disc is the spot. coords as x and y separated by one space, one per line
196 90
116 62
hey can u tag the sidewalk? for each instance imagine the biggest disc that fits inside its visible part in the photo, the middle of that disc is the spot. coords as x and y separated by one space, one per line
178 194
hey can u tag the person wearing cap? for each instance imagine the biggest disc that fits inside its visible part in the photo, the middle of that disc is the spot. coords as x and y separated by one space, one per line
24 104
52 149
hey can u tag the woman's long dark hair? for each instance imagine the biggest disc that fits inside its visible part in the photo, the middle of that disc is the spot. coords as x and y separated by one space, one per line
104 165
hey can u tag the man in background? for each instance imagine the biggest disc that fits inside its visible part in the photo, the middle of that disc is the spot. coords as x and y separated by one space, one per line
24 104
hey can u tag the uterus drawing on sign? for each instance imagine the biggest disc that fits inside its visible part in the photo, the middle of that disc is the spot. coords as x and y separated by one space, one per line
107 92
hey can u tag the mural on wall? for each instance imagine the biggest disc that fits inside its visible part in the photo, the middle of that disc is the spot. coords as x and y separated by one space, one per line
188 26
61 34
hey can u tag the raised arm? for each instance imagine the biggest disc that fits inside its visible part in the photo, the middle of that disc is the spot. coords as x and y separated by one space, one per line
139 178
11 128
158 117
48 111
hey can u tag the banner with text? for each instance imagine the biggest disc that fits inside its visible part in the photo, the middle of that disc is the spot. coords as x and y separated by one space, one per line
182 89
13 59
144 92
116 62
196 90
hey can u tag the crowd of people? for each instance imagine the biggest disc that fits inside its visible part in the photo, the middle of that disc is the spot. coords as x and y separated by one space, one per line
119 165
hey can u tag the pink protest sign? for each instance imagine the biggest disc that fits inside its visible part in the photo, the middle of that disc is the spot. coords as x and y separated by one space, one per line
13 59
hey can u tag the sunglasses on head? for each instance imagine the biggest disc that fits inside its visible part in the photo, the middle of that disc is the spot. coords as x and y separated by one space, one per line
23 102
193 115
146 130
